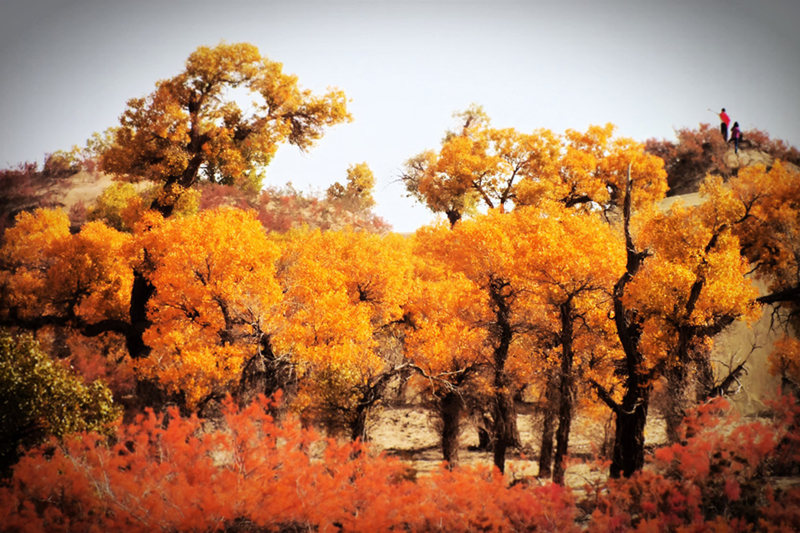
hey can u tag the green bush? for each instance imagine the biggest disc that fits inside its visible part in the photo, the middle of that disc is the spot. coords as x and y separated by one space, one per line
40 398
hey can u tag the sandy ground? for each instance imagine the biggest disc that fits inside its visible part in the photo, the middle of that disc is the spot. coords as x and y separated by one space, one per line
410 434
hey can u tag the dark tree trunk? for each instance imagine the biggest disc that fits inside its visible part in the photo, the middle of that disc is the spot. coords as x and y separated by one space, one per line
484 437
631 415
450 408
628 455
505 414
141 292
453 217
358 424
565 391
548 429
505 428
546 449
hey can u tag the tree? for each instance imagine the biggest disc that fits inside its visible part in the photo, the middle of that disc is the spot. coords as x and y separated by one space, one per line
502 168
572 264
51 277
769 231
40 398
122 205
357 192
697 153
478 164
691 287
445 341
702 151
488 251
215 306
683 283
191 128
344 293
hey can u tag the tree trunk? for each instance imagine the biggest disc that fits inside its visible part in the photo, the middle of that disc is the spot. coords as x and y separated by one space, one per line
141 292
505 414
546 448
548 430
676 401
358 424
505 427
565 393
450 407
628 455
484 437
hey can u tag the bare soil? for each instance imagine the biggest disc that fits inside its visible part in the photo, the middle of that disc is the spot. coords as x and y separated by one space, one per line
410 434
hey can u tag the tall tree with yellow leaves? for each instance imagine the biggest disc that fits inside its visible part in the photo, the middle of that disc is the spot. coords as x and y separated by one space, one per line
215 308
196 125
344 293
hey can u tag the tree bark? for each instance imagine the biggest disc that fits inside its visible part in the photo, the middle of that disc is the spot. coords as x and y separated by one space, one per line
565 393
450 408
631 415
628 454
358 424
505 415
548 430
505 428
676 401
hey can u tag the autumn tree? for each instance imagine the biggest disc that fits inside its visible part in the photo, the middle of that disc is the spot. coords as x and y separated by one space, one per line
488 251
357 191
769 233
769 230
445 342
690 289
215 303
191 127
475 165
684 282
51 277
344 293
572 265
122 204
504 168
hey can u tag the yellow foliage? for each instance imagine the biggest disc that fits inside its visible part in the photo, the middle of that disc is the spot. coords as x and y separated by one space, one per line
215 294
191 128
49 271
344 292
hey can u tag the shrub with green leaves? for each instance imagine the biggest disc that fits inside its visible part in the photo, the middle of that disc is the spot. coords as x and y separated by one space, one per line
40 398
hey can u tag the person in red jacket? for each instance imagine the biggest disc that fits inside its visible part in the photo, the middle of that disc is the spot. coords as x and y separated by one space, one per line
723 127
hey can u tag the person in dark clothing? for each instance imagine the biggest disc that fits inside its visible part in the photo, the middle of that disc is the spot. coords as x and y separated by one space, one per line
723 126
736 136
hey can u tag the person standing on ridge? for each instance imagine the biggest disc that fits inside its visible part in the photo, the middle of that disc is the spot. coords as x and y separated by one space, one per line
723 126
736 135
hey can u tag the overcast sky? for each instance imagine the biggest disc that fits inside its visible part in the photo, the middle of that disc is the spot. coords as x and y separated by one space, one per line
68 67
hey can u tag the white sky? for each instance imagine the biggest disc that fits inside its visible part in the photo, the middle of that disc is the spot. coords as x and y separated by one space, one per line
68 67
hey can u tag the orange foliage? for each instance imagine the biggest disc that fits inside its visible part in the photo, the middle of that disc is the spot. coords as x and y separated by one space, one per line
215 296
47 271
713 480
253 473
344 293
503 167
695 277
191 128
